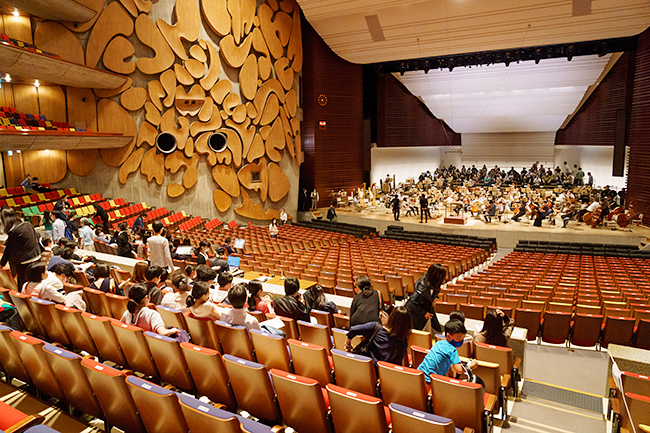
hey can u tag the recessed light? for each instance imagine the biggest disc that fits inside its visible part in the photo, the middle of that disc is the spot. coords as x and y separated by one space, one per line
16 13
36 83
8 78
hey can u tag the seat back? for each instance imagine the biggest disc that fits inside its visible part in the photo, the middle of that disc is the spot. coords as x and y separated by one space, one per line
556 327
116 305
103 336
406 420
473 311
315 334
75 328
170 361
355 412
45 313
490 373
323 318
301 401
10 360
31 352
529 319
639 412
618 330
202 417
459 400
341 321
158 407
271 350
203 331
355 372
135 348
403 385
172 317
290 327
70 375
235 340
642 340
81 278
29 319
252 387
310 360
635 383
496 354
209 374
418 355
340 336
97 302
120 276
586 329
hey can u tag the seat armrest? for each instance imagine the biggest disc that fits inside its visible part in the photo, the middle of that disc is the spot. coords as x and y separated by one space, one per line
516 363
489 404
505 380
25 423
468 430
277 429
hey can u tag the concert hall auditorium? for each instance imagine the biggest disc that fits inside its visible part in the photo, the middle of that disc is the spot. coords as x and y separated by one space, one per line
319 216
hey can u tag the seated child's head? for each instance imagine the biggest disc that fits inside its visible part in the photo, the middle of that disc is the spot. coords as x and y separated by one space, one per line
200 293
153 273
237 295
455 332
457 315
205 273
224 280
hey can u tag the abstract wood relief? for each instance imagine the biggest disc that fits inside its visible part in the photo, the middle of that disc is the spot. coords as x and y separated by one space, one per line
240 119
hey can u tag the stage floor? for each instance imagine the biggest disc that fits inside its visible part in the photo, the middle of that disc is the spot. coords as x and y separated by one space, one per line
507 234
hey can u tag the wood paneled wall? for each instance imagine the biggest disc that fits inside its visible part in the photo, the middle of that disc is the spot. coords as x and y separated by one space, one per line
403 120
333 156
595 122
638 180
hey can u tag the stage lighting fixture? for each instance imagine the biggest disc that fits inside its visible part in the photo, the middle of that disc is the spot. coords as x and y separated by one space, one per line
537 55
451 63
602 49
427 66
569 52
402 68
507 59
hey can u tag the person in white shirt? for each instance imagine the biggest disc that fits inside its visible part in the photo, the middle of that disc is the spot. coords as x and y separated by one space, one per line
593 206
158 246
283 217
87 234
58 227
51 286
199 302
140 315
178 298
237 315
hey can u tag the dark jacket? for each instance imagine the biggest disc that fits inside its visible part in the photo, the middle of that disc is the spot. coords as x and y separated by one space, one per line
20 246
421 302
101 212
289 306
329 306
124 247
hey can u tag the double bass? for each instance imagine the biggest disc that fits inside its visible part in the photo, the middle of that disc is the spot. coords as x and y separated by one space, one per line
594 218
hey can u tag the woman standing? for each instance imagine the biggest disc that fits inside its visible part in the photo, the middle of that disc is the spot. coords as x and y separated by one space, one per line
422 300
366 304
21 246
124 247
273 229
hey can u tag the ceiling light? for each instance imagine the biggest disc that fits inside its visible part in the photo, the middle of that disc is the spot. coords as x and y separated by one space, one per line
18 151
16 13
36 83
10 153
8 78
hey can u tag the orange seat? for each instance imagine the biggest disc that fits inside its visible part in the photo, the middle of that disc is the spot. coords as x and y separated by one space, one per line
354 412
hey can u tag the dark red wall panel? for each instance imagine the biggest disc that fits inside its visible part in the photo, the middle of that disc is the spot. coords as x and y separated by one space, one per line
403 120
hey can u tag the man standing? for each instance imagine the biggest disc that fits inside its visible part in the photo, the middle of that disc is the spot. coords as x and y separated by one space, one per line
158 246
314 199
58 227
396 203
101 213
424 208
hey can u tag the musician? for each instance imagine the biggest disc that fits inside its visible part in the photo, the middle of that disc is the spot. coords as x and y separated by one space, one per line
396 207
521 211
492 210
424 208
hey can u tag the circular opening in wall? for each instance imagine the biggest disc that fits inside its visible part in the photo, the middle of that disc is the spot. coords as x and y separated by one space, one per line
166 142
217 142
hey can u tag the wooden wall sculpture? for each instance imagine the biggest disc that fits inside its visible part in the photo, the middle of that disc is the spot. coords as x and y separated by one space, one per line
252 102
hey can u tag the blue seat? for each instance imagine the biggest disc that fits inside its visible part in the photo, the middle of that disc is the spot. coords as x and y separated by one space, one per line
204 417
405 420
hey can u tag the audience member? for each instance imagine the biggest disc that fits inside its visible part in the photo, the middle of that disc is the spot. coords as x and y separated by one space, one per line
290 305
103 215
219 264
101 237
124 247
237 315
199 302
153 275
21 247
178 298
388 340
227 245
255 301
422 300
443 357
202 257
140 315
64 257
315 300
46 220
159 253
224 281
87 234
367 303
46 244
103 282
497 328
273 229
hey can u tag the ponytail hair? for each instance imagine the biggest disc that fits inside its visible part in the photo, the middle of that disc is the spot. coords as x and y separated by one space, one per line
364 284
254 288
199 289
137 293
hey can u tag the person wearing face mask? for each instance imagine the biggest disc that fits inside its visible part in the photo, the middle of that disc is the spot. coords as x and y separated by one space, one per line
443 357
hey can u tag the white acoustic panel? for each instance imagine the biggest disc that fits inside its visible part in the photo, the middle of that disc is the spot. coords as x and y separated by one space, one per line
521 97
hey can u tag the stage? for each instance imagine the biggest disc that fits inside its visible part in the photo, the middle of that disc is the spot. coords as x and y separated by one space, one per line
507 234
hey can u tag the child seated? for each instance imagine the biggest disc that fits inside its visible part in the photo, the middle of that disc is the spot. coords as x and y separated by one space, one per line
237 315
199 302
443 357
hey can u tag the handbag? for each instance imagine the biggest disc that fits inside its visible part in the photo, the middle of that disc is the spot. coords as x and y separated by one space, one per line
363 348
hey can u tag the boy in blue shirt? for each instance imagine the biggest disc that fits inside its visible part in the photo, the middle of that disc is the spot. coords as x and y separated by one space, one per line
443 356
